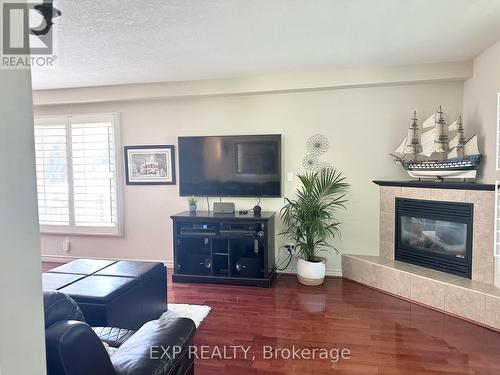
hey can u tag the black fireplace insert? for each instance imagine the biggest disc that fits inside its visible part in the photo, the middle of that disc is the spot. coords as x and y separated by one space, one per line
435 234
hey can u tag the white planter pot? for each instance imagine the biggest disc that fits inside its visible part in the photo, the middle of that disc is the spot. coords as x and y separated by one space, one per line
311 273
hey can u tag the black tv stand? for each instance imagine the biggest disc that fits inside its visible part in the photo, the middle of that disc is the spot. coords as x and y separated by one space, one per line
224 248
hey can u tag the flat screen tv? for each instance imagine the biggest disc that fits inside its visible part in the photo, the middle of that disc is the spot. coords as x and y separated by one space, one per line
230 166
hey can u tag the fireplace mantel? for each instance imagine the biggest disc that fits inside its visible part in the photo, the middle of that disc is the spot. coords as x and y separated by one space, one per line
437 185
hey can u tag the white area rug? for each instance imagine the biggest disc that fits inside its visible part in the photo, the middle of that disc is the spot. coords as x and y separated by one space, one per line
194 312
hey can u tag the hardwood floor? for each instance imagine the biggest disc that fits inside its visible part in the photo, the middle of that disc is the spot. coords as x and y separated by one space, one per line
385 335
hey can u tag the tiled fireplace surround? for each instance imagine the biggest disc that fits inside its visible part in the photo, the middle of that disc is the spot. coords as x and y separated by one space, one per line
477 300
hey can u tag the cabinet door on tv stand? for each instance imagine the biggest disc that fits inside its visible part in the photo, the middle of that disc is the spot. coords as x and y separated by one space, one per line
247 257
220 257
194 255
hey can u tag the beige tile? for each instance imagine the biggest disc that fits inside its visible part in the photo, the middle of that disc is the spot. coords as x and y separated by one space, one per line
347 267
492 312
484 205
395 281
416 193
482 271
352 268
369 258
361 270
497 272
388 196
435 275
448 195
477 286
428 292
421 271
482 242
387 223
372 276
387 249
465 303
406 267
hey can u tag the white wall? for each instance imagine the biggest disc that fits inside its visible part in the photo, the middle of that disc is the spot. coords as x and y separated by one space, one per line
363 125
480 107
22 346
480 111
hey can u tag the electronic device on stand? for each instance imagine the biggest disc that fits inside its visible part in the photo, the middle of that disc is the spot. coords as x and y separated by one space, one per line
224 208
227 249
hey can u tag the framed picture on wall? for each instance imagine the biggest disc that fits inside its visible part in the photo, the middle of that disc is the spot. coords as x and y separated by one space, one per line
150 165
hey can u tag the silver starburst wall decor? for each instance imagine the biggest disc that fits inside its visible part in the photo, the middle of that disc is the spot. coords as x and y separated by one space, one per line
310 163
316 145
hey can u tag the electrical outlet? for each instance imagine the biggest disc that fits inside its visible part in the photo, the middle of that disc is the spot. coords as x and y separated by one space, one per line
289 176
66 244
290 247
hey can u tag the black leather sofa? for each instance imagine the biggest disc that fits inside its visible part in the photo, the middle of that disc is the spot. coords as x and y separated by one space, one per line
75 348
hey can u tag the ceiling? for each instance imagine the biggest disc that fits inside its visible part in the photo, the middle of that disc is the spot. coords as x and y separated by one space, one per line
135 41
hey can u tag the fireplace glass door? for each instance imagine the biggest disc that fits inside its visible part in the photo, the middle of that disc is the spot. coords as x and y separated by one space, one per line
435 234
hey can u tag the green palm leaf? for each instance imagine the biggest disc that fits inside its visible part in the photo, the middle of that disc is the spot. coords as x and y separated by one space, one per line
310 219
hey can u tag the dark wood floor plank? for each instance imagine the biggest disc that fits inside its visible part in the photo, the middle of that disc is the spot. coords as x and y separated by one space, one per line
385 335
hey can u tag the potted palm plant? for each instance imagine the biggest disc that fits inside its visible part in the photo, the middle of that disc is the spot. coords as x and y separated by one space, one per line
310 221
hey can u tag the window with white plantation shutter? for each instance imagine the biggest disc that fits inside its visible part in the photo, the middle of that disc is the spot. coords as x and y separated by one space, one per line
78 165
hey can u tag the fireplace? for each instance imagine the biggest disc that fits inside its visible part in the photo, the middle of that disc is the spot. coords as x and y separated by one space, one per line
435 234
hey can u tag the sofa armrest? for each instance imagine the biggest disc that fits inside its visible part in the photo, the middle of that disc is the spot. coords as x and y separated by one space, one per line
114 337
159 347
74 349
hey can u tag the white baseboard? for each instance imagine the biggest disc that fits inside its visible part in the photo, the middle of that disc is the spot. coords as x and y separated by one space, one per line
69 258
329 272
168 263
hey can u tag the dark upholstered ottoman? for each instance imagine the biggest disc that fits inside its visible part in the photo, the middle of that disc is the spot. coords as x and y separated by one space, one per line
56 281
152 278
83 266
122 294
108 301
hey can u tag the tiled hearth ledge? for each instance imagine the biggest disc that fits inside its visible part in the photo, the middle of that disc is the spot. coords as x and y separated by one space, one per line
472 300
477 300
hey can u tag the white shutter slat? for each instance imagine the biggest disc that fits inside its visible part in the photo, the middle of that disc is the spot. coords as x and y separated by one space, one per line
93 174
51 170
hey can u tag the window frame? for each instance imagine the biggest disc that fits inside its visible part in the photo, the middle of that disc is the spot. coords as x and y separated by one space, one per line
496 236
72 229
498 134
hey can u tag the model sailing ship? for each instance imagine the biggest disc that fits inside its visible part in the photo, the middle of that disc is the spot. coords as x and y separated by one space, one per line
432 155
